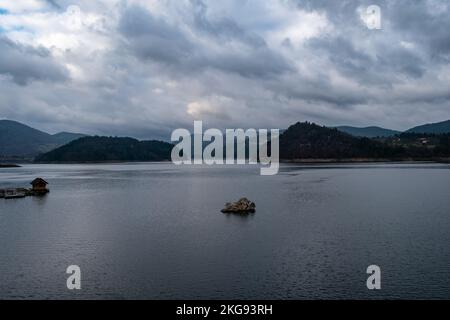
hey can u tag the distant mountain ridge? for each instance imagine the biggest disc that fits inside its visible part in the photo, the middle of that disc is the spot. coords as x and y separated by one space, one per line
19 140
66 137
433 128
373 131
368 132
300 141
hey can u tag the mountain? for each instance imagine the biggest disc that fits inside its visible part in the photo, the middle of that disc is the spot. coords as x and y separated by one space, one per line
310 141
66 137
19 140
104 149
434 128
368 132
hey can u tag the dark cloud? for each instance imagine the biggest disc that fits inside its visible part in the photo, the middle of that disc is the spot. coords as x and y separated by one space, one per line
320 91
53 3
24 64
400 61
346 58
425 23
223 29
383 68
151 38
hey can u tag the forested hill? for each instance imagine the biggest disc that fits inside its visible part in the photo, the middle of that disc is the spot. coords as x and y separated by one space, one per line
300 141
310 141
104 149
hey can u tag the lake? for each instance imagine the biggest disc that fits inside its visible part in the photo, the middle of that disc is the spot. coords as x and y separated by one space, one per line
155 231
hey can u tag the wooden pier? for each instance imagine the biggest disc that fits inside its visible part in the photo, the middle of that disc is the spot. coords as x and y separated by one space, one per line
39 188
14 194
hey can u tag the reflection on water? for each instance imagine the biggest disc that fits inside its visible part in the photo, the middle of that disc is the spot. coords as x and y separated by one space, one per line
240 216
156 231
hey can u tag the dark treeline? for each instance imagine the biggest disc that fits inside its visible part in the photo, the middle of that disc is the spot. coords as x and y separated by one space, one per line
300 141
98 149
310 141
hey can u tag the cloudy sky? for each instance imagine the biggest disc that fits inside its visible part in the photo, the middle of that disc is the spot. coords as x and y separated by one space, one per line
144 67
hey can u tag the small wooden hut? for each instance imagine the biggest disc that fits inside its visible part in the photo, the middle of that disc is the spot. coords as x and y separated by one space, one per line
39 185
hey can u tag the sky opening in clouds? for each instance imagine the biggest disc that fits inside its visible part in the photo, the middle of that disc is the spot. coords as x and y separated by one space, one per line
142 68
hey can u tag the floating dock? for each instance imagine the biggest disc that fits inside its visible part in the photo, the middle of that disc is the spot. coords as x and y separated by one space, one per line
39 189
14 194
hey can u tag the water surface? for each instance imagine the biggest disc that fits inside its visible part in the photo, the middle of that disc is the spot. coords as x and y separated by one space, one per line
155 231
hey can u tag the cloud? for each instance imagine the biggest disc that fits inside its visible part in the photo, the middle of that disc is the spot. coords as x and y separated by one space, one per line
144 67
24 64
215 106
152 38
22 5
219 44
425 23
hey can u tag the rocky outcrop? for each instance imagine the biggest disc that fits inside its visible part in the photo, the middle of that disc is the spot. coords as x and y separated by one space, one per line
243 206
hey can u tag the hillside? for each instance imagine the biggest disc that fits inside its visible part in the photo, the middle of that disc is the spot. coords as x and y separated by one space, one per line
368 132
299 141
66 137
21 141
101 149
421 145
310 141
433 128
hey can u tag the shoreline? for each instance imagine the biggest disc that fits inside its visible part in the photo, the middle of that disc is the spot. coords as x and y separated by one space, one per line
282 161
9 165
101 162
365 160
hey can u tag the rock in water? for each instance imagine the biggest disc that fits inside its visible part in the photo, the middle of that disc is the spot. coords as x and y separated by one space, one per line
242 206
